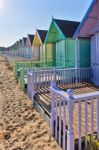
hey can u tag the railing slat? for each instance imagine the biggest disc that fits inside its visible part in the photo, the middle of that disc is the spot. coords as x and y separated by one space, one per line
98 117
60 120
79 124
64 124
86 122
56 119
52 112
92 119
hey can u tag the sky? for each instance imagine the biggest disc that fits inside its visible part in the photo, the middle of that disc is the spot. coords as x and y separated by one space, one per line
20 17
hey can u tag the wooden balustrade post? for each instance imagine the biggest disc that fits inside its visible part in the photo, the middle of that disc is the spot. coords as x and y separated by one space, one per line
28 83
98 118
70 134
54 78
53 85
33 87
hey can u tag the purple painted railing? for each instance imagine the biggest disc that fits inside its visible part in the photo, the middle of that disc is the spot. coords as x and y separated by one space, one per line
42 78
66 114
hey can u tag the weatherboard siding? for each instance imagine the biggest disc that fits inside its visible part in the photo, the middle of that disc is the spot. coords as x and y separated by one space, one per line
95 58
36 52
28 48
44 55
41 53
36 48
70 53
50 54
60 53
85 52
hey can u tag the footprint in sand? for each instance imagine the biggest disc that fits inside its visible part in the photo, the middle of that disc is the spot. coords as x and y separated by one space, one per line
2 71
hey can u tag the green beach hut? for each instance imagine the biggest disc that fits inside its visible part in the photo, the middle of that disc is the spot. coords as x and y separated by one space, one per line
60 47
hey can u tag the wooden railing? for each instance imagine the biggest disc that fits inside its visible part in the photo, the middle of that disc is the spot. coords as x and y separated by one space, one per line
22 74
18 65
74 117
42 78
38 77
22 77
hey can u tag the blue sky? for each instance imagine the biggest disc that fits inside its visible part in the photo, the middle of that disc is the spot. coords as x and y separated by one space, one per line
19 17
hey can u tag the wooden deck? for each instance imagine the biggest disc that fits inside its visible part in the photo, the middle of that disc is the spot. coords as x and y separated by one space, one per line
43 98
43 94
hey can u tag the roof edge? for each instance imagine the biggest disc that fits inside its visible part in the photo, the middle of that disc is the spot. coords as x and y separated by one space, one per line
84 18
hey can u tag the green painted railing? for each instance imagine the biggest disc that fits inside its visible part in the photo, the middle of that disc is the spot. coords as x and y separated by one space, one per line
24 65
23 75
23 78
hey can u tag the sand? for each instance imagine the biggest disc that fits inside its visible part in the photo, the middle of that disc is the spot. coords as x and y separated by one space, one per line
21 127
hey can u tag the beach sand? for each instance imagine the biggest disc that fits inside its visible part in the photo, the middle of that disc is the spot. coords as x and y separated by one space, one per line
21 127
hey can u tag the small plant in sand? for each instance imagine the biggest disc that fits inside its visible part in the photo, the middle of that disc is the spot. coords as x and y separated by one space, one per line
92 145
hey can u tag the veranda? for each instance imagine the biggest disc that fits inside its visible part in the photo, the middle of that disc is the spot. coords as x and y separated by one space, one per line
69 102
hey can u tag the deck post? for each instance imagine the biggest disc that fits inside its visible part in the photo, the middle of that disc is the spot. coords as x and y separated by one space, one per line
53 84
98 118
21 79
70 107
46 62
54 78
33 87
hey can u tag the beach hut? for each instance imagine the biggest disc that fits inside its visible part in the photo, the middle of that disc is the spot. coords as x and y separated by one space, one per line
29 42
14 49
20 47
3 50
38 45
17 48
11 50
60 45
89 28
23 46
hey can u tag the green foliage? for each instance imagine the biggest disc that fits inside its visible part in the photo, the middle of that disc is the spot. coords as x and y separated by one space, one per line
92 145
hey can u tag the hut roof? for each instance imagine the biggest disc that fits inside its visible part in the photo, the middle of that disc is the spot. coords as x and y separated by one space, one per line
42 34
24 39
31 37
67 27
89 21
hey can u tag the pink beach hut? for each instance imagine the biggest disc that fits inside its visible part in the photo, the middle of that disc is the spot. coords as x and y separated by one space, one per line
89 28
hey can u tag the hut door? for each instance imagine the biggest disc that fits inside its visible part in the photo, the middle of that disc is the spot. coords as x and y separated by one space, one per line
41 53
60 53
95 59
36 53
70 53
84 53
29 52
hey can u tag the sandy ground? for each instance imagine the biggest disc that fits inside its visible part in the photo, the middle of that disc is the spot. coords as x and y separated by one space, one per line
21 127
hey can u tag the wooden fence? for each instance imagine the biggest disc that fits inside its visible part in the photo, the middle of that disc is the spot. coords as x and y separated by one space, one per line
43 78
27 64
74 117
